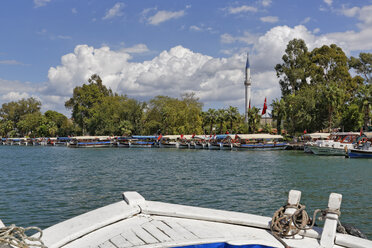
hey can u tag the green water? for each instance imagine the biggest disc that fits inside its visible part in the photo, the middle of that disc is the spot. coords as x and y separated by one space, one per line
45 185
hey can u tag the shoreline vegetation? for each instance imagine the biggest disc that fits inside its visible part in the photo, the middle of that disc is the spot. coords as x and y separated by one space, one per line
321 89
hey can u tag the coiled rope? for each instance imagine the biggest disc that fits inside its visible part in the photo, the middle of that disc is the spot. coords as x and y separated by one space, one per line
16 237
285 225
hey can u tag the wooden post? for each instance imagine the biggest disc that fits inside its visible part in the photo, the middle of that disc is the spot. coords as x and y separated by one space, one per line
327 239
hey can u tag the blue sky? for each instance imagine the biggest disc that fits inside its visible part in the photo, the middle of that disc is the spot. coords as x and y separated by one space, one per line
165 47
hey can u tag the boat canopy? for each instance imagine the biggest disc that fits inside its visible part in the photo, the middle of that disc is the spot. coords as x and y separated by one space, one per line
63 138
368 135
144 137
259 136
317 135
92 137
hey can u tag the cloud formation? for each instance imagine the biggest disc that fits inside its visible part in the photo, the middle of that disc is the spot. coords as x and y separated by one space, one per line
163 15
40 3
241 9
116 10
269 19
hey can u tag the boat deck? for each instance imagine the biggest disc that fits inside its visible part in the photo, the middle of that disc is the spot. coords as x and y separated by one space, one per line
136 222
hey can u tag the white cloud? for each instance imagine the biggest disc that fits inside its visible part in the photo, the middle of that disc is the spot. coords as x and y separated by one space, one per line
162 16
138 48
306 20
116 10
14 96
74 11
40 3
240 9
247 38
195 28
10 62
269 19
329 2
266 3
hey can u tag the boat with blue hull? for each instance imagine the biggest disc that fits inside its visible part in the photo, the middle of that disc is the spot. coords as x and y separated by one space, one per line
91 142
259 142
143 141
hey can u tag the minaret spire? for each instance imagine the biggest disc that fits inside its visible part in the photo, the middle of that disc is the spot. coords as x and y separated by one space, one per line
247 84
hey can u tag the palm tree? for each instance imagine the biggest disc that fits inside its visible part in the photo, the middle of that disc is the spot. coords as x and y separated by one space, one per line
278 112
211 118
232 115
221 117
254 119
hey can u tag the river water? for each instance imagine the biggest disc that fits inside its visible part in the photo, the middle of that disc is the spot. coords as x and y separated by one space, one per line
41 186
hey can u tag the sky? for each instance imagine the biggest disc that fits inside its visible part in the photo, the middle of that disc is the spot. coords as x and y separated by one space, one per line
145 48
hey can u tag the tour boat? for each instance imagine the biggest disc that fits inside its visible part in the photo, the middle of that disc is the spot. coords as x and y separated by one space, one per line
122 142
259 142
169 141
198 142
143 142
90 142
136 222
337 144
363 149
62 141
311 138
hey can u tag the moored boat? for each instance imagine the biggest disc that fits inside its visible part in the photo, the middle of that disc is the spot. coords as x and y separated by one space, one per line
136 222
62 141
311 138
362 149
259 142
143 142
168 141
337 144
90 142
122 142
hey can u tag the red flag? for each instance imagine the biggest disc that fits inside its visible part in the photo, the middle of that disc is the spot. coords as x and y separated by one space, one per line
264 108
249 104
227 132
305 131
181 136
159 137
193 135
361 131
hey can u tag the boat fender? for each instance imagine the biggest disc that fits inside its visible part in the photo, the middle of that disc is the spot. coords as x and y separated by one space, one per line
350 229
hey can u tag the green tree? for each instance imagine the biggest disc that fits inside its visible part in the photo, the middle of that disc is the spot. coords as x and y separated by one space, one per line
84 98
210 117
278 112
14 111
254 119
363 67
232 116
293 72
220 118
352 118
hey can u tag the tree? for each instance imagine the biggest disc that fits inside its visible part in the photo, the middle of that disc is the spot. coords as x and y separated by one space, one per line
254 119
220 118
84 98
14 111
293 73
363 67
232 115
211 116
278 112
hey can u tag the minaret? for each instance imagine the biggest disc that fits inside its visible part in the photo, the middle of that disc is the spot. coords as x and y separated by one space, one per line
247 84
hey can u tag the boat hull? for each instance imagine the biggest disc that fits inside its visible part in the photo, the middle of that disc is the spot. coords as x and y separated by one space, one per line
355 153
327 151
281 146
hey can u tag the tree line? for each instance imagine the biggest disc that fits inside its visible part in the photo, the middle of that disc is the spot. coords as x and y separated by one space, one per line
96 110
321 89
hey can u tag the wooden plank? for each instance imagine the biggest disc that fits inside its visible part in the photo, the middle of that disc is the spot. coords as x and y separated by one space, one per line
120 242
168 230
154 231
145 236
181 230
107 244
132 237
